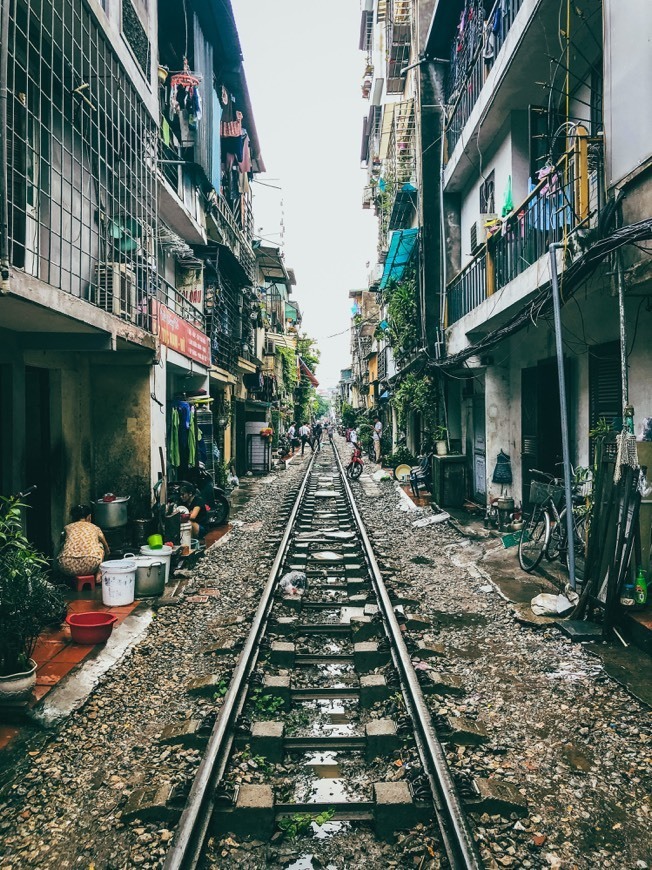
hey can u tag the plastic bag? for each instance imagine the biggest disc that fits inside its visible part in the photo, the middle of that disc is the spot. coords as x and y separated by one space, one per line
546 604
294 583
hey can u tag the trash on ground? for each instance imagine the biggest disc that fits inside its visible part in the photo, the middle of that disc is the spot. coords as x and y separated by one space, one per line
294 583
431 520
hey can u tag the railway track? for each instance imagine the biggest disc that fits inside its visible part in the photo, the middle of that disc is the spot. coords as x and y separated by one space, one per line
325 678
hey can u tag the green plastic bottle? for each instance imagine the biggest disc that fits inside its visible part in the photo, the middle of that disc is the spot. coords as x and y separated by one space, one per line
640 587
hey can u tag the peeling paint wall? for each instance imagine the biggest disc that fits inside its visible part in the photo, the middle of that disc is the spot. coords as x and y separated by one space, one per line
120 413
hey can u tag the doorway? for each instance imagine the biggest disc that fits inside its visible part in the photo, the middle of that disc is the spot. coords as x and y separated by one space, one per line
240 438
479 450
37 458
541 422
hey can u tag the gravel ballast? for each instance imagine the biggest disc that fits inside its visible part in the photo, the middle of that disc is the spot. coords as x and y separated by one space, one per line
572 743
572 740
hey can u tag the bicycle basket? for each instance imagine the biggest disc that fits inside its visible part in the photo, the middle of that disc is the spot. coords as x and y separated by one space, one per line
541 492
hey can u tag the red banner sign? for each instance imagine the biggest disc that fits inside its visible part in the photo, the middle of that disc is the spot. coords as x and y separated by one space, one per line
176 333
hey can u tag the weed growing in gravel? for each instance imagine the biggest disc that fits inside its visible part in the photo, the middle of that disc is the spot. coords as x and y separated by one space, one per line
258 762
266 705
299 823
222 689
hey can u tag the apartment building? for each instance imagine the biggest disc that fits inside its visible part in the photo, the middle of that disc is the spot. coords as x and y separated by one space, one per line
542 141
128 148
390 39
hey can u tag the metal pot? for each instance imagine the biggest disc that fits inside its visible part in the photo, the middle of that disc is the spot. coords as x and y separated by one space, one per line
111 514
150 577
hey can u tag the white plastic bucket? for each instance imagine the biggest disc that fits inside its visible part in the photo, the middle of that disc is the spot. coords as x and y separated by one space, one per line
118 582
163 554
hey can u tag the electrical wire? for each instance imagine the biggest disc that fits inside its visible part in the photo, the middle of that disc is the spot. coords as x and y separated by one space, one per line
575 275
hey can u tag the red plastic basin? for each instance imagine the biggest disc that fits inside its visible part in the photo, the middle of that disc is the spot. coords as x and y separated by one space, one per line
91 628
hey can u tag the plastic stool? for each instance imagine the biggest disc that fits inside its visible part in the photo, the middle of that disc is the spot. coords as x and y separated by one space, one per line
85 580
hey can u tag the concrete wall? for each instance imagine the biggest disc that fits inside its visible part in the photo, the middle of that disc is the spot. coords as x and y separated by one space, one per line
121 420
595 321
500 162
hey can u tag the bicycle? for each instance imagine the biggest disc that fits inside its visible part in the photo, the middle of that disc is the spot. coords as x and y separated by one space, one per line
545 533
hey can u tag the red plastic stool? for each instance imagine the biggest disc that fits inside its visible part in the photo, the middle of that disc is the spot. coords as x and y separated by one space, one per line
85 580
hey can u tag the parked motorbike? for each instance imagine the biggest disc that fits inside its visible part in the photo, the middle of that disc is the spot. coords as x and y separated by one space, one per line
355 466
213 496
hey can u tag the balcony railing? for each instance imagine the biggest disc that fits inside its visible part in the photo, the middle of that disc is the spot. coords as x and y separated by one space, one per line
232 236
174 299
468 289
399 43
569 196
471 65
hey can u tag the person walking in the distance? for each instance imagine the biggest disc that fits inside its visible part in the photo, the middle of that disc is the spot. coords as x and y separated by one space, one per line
316 436
304 434
378 434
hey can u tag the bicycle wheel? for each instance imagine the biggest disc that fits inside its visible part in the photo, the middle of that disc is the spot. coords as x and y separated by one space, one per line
533 541
557 540
579 536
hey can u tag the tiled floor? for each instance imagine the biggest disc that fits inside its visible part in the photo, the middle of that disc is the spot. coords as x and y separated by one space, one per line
56 655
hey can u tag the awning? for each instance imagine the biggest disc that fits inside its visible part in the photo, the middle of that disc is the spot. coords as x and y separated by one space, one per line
303 368
400 251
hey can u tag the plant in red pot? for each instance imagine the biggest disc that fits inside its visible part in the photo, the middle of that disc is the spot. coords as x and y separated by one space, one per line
28 604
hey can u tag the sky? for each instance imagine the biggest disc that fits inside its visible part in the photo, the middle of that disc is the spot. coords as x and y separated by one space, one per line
305 72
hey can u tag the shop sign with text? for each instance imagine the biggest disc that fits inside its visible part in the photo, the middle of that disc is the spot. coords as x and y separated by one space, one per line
176 333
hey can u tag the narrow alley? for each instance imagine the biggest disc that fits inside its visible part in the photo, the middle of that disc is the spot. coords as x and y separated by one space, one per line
325 435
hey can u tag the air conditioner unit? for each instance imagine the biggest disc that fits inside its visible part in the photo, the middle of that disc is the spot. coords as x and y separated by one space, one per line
270 347
479 231
114 289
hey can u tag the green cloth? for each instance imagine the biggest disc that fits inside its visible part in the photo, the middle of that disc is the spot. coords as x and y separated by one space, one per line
508 202
175 458
165 131
192 442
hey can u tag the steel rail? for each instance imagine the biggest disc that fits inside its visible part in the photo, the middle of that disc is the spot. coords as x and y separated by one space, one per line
457 837
194 821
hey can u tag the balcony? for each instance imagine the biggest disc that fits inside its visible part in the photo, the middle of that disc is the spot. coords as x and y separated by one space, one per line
396 190
473 54
569 197
174 299
399 43
231 235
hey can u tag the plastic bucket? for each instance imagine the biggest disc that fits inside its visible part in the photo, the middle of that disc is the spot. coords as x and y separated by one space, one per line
118 581
162 554
150 576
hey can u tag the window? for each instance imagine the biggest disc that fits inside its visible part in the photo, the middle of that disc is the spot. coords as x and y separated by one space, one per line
488 194
136 37
605 387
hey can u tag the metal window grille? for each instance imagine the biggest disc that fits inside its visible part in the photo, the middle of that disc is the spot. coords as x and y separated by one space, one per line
398 26
81 150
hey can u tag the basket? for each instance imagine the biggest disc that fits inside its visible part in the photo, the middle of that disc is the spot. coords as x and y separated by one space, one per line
541 492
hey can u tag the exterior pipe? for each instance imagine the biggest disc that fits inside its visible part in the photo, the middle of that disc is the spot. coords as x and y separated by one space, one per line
565 445
4 210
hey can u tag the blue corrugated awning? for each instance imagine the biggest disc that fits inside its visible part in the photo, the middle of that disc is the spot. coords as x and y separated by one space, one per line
400 250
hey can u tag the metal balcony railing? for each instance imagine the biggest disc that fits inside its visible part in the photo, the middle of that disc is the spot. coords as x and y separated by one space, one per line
473 54
570 195
233 236
468 289
174 299
399 43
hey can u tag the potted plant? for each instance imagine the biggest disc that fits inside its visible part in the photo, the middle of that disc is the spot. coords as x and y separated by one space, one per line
28 604
440 437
